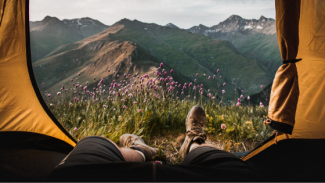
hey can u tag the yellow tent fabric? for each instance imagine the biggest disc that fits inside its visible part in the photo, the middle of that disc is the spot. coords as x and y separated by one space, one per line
310 112
310 117
285 92
20 108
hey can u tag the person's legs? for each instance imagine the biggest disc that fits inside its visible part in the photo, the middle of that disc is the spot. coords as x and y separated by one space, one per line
99 149
135 143
209 156
96 158
194 149
131 155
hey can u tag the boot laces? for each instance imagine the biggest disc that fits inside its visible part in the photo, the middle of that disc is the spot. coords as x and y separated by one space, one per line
196 127
196 130
129 142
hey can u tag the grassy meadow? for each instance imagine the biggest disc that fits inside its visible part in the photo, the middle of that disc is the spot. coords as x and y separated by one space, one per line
155 108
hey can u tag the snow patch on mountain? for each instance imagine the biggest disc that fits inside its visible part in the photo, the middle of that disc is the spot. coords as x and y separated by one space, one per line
170 25
235 24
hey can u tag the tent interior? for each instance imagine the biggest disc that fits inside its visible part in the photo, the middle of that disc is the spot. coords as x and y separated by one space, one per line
33 142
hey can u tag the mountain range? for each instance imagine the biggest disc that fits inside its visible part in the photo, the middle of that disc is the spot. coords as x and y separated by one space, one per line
136 47
255 39
50 33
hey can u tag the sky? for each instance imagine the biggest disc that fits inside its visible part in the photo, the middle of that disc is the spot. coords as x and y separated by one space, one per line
182 13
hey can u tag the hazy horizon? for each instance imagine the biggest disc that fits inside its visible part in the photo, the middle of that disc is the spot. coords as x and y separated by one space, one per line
183 13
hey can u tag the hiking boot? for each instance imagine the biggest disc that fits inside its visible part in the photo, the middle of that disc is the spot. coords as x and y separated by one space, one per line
135 142
195 125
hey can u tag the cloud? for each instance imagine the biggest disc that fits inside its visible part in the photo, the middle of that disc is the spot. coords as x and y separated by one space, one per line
183 13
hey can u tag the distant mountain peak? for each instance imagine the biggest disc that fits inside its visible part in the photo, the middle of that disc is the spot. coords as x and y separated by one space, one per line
234 17
49 18
237 24
82 23
171 25
123 21
60 32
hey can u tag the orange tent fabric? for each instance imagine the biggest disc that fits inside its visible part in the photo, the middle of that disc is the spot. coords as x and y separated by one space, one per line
309 116
285 92
20 107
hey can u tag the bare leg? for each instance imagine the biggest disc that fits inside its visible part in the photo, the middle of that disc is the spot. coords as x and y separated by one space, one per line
196 145
129 154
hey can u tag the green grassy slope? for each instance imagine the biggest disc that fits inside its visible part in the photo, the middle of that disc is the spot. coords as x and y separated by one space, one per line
125 57
185 52
43 43
258 46
191 53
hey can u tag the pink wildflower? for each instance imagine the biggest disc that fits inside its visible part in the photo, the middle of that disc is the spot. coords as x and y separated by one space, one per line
217 70
140 110
223 126
248 98
171 71
223 91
